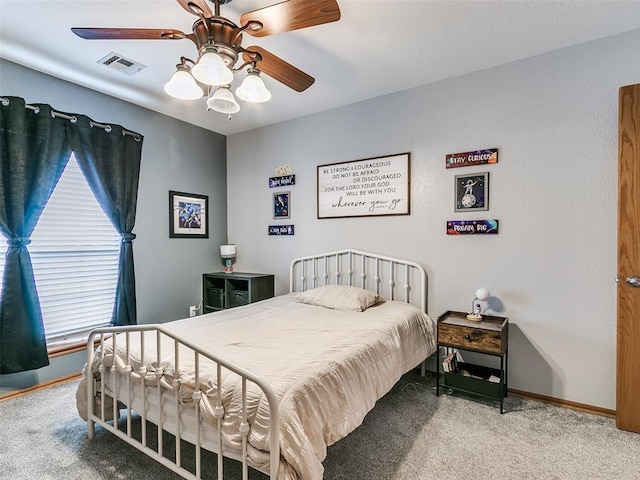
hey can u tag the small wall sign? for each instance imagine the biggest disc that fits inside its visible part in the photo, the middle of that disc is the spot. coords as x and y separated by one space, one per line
466 159
283 181
281 230
283 169
472 227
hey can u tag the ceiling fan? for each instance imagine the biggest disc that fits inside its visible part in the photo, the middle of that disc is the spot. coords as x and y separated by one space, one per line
219 44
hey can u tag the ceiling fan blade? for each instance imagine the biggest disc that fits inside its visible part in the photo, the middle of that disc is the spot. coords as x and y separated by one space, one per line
129 33
279 70
197 4
291 15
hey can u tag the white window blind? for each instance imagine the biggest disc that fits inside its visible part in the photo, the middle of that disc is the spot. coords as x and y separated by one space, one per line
74 251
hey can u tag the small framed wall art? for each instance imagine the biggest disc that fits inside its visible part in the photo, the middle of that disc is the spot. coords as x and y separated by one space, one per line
472 192
188 215
281 205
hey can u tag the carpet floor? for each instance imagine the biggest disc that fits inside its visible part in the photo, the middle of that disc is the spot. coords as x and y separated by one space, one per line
410 435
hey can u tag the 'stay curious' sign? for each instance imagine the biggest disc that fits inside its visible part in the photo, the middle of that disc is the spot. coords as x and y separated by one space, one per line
361 188
466 159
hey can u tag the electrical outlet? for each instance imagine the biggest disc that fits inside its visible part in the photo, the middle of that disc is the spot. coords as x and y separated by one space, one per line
192 311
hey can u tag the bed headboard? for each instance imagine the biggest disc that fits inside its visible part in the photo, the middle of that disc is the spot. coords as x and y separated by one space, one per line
392 278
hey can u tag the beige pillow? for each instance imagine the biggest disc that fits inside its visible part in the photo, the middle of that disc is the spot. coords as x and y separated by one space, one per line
340 297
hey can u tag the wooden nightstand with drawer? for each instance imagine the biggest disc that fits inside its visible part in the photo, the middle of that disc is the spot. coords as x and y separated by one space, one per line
487 337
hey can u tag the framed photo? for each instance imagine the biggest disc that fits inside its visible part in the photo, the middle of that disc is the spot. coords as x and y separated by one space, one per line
188 215
472 192
281 205
364 188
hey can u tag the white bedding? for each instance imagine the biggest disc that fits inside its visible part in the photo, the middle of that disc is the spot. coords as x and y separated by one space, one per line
327 368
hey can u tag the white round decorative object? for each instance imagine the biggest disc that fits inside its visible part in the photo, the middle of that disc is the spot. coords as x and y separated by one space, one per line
482 294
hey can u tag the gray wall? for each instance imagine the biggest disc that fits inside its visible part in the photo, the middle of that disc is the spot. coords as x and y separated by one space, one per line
175 156
552 267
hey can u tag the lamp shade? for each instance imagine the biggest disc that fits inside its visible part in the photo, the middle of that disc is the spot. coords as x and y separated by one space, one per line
183 86
228 251
223 101
482 294
211 69
253 89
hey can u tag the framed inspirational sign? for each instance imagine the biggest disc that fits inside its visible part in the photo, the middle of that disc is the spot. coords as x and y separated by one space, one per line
362 188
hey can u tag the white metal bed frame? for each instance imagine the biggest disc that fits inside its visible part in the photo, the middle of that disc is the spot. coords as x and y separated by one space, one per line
363 269
377 273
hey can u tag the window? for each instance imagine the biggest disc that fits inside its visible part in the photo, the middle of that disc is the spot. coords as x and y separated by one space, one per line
74 251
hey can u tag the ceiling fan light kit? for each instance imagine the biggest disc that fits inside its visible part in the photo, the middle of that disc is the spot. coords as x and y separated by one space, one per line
182 85
219 44
222 100
253 89
211 69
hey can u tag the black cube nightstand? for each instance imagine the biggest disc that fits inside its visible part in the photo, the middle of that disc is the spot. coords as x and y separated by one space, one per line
226 290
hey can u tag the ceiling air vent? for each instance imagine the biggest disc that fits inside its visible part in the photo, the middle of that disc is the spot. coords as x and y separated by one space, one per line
122 64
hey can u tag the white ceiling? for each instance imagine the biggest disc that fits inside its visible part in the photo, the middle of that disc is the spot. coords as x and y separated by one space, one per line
376 48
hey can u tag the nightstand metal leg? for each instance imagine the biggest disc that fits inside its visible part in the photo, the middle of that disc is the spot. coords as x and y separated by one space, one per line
503 383
437 371
506 372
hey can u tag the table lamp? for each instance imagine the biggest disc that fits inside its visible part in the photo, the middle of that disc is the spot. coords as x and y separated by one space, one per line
482 295
228 253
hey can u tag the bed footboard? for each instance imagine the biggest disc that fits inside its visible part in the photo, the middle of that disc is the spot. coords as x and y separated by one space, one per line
157 399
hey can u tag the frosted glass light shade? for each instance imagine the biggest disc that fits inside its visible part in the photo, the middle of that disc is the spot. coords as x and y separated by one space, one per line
211 70
183 86
253 89
482 294
223 101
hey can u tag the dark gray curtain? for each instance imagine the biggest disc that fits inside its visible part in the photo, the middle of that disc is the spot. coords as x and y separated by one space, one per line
33 154
34 150
110 161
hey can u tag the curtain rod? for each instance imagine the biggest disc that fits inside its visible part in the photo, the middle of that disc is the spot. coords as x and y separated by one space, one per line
74 119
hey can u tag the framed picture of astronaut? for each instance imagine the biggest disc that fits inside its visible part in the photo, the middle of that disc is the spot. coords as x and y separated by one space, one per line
472 192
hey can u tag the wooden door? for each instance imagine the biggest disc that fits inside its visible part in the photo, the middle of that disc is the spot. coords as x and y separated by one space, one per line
628 301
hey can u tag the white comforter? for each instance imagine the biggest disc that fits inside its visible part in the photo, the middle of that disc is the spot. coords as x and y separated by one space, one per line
327 368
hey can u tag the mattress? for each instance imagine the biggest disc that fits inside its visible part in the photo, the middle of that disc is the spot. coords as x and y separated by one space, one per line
327 368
